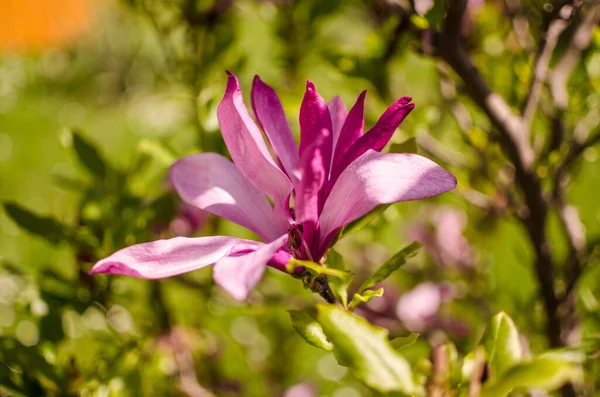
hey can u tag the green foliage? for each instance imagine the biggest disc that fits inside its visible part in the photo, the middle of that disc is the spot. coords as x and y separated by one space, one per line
305 323
364 297
46 227
511 371
401 342
88 130
540 373
363 221
393 264
408 146
339 286
502 344
366 350
88 156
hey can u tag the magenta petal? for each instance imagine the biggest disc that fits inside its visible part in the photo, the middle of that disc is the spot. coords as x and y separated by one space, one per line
280 260
378 136
166 258
248 149
239 274
381 178
271 117
314 119
351 131
314 175
213 183
338 113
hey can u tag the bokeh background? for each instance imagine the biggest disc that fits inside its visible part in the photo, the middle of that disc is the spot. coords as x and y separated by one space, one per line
97 98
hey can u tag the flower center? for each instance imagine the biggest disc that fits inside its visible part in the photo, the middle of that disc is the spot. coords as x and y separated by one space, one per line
295 240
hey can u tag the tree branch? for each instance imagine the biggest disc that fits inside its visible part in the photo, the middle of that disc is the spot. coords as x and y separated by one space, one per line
564 68
555 28
513 136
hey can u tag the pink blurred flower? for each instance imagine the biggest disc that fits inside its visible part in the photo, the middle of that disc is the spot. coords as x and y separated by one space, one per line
189 220
303 389
442 236
418 308
336 175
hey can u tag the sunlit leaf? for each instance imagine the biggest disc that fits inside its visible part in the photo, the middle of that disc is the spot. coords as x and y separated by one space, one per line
545 373
305 323
404 341
318 269
365 349
338 286
364 297
390 266
502 344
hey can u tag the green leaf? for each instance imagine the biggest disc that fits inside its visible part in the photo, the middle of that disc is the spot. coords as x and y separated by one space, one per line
88 156
305 323
159 151
338 286
404 341
364 297
365 349
358 224
335 260
502 344
408 146
547 373
390 266
318 269
46 227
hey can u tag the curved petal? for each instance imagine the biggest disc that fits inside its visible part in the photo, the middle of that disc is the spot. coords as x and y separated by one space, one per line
213 183
280 260
338 112
166 258
314 119
351 131
307 194
239 273
271 118
248 149
378 136
381 178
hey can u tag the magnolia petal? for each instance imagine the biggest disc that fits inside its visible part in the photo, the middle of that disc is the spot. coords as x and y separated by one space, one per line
166 258
351 131
378 136
381 178
314 119
308 191
213 183
239 273
338 113
271 118
280 260
248 149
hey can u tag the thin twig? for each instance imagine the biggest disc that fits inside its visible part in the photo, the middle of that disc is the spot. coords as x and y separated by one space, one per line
540 71
562 71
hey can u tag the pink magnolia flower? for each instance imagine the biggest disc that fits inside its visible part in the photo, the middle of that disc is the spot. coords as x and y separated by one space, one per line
336 175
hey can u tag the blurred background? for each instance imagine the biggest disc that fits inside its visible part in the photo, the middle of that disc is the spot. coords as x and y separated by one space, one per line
98 98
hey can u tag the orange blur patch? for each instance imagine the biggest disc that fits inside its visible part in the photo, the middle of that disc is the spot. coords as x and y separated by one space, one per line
39 24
